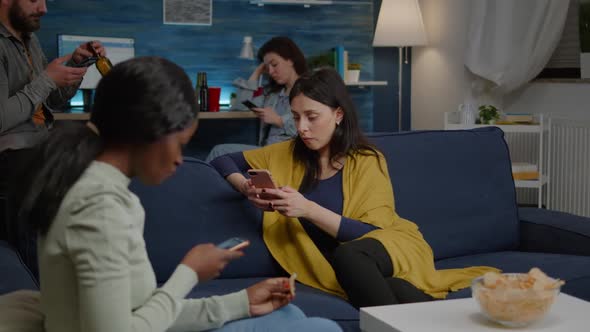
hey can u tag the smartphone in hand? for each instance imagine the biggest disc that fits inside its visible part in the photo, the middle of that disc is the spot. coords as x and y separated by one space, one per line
249 104
262 179
86 62
235 243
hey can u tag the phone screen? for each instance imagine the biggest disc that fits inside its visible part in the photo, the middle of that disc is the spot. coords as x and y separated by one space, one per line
233 243
261 178
86 62
249 104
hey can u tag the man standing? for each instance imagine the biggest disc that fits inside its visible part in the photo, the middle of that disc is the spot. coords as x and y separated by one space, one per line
29 86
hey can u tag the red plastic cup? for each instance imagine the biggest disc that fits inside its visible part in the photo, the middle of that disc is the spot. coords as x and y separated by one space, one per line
214 95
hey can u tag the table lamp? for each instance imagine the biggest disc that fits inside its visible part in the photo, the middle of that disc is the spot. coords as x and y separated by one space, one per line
399 24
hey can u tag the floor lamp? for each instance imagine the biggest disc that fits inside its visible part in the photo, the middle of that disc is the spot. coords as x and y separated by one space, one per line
399 24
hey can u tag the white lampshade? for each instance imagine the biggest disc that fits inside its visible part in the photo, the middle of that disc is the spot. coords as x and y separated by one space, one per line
399 24
247 51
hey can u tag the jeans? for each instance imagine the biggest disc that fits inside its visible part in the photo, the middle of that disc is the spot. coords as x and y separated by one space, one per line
221 149
21 311
287 319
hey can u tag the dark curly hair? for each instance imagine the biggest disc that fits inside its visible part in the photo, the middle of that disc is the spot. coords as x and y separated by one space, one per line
137 102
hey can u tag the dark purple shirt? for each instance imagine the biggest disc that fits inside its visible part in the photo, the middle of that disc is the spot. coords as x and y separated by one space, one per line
328 194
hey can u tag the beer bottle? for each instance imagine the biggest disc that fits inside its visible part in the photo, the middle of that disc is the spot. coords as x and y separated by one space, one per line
103 64
204 94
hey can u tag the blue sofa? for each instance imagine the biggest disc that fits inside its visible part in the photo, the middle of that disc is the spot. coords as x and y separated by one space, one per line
456 185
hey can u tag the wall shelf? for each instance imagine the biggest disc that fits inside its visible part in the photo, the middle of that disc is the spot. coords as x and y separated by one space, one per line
366 83
305 3
309 3
532 183
516 128
224 114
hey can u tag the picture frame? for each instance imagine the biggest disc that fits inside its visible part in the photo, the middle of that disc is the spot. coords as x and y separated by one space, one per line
188 12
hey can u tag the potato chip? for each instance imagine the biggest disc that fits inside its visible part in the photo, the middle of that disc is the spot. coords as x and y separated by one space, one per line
292 283
516 299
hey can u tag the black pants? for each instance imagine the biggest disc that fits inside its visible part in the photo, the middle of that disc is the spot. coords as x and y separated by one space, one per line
364 269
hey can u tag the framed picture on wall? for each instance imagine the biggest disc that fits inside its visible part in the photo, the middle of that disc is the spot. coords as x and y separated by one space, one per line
188 12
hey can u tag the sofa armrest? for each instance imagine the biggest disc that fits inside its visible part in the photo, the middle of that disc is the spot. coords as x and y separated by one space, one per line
14 274
554 232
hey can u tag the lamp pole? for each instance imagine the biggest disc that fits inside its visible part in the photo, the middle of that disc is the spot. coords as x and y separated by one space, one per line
399 89
399 24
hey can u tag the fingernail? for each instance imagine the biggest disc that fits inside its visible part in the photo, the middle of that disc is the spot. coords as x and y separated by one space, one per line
285 284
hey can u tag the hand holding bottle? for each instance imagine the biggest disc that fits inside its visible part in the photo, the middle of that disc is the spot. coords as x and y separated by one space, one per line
64 75
87 50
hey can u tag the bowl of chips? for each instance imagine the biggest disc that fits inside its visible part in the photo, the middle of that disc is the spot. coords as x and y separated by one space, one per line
515 299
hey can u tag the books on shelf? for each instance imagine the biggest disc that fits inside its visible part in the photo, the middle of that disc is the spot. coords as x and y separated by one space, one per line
345 65
525 171
339 60
523 118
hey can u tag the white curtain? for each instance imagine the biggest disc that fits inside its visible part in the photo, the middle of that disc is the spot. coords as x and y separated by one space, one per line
510 41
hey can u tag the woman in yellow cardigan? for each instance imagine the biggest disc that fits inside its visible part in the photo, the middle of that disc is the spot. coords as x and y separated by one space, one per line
333 219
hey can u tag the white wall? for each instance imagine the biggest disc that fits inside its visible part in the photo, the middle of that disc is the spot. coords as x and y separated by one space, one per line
440 81
570 100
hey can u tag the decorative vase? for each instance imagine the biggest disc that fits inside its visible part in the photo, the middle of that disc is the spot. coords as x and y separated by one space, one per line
467 114
352 75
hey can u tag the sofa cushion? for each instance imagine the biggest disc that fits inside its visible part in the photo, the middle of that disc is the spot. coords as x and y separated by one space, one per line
312 301
14 274
575 270
457 186
196 205
556 232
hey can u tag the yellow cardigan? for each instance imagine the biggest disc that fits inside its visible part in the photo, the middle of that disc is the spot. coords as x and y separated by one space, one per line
368 197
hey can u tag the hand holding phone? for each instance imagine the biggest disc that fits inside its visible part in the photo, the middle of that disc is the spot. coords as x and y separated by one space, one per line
249 104
233 244
86 62
208 261
262 179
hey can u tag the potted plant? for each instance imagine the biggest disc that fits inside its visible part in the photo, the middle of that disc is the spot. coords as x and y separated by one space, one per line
232 100
322 60
488 114
353 72
354 66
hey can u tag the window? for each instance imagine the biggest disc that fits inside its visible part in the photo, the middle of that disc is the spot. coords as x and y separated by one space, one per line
565 61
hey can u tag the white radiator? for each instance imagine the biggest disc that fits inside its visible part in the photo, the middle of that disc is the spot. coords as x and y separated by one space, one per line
566 161
569 166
